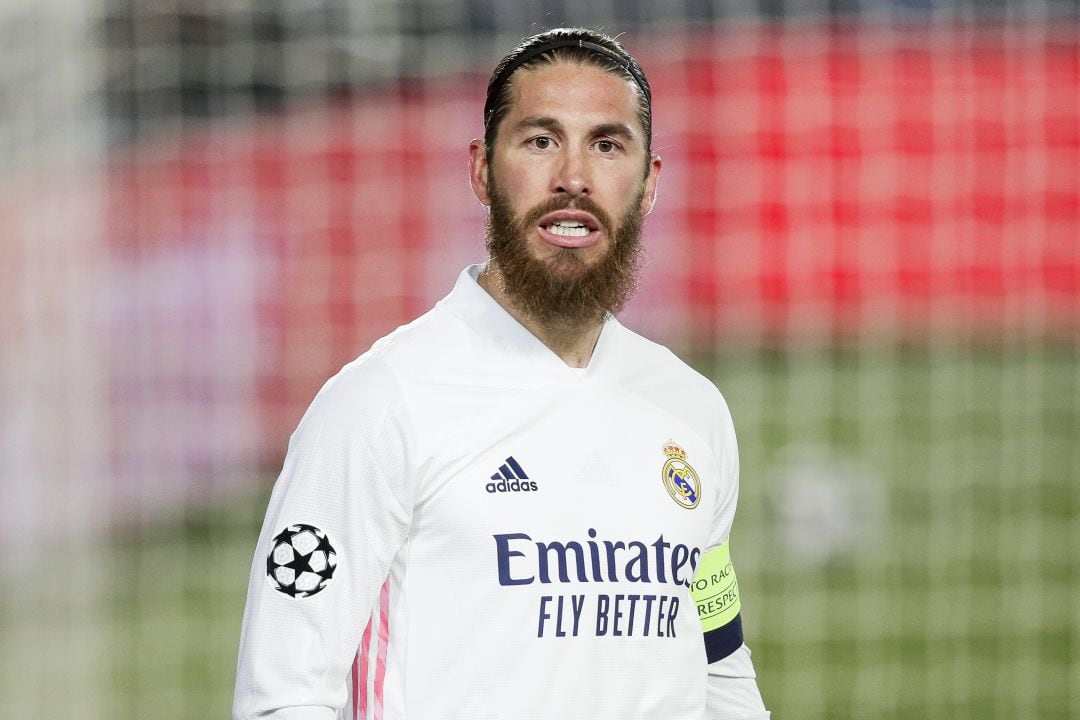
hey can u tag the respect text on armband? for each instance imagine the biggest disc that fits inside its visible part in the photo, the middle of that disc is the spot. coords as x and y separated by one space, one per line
647 611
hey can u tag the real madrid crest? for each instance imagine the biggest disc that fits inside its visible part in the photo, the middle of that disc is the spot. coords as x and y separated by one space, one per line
680 479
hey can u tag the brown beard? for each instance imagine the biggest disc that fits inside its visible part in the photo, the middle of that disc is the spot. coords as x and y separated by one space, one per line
563 291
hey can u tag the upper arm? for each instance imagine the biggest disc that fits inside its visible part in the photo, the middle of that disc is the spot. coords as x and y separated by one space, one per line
347 473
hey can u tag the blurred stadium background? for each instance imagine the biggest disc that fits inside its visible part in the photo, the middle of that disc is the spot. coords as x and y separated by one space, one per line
868 236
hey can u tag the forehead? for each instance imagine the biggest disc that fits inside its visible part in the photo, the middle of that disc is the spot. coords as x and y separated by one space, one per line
573 91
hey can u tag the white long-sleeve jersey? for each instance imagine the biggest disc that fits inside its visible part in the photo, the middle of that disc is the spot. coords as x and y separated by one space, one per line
466 528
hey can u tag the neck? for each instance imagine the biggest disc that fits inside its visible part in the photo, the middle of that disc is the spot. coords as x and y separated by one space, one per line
573 342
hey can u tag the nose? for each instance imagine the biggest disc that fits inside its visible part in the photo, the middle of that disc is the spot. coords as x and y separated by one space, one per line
572 177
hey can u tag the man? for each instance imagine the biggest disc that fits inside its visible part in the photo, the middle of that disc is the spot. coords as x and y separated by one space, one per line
514 507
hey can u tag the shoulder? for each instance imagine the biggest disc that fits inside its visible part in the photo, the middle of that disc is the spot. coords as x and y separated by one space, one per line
648 363
383 378
355 401
656 373
373 382
433 343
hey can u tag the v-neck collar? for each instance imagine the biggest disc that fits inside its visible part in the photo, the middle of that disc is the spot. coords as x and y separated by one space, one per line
487 318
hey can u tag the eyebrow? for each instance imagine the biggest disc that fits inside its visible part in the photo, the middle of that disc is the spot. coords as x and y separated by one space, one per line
539 121
553 125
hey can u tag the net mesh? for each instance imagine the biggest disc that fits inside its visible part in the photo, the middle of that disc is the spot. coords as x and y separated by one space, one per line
868 235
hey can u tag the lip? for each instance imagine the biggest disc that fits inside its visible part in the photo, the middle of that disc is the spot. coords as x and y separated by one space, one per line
585 218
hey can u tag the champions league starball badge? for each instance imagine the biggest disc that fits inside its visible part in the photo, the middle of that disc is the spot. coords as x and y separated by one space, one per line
301 561
680 479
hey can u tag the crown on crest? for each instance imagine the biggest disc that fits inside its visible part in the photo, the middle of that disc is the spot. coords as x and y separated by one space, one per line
674 451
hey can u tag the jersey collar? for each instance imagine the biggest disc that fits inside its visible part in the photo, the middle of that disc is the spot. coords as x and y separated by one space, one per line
484 316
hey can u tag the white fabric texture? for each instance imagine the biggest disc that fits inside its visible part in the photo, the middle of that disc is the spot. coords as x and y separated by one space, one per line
506 546
732 689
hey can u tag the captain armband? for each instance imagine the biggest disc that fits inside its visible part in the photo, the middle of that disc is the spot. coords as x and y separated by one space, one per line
716 595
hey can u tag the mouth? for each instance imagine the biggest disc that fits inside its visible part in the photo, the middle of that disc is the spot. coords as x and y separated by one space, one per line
570 228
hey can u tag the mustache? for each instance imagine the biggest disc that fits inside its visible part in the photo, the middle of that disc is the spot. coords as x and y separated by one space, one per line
562 202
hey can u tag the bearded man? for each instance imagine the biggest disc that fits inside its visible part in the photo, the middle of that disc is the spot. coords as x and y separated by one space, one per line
514 507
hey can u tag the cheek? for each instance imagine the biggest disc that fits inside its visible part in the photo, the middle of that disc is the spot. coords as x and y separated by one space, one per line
522 192
521 182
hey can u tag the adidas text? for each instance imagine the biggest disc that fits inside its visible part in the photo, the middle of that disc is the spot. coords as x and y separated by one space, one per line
512 486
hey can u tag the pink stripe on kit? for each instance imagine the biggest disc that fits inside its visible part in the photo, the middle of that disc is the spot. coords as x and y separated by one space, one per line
356 686
384 640
360 676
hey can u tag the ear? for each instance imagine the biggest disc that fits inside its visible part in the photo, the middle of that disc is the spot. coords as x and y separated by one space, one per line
478 171
648 199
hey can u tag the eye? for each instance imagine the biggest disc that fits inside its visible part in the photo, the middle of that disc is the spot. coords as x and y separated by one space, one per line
606 146
541 142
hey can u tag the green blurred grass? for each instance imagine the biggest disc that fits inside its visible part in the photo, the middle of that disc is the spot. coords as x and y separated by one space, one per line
175 619
966 608
963 607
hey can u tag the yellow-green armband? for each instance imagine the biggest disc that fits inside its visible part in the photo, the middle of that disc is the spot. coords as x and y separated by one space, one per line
716 595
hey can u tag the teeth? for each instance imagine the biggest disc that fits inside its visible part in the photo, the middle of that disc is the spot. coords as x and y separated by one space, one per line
568 228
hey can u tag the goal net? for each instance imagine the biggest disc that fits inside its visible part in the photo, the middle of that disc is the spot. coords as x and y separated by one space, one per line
868 235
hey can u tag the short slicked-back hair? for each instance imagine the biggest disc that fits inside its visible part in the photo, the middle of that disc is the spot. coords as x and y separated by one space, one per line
569 44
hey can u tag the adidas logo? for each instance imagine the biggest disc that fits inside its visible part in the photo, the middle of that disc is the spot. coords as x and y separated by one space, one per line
511 478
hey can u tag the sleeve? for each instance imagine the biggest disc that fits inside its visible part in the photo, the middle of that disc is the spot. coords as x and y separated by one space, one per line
732 691
339 512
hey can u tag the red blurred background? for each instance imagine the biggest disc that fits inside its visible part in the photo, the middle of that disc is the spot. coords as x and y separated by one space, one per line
819 181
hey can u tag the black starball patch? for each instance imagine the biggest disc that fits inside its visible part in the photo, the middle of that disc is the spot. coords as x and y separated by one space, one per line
301 561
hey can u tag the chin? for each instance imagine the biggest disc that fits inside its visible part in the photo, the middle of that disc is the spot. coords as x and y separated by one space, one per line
568 264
